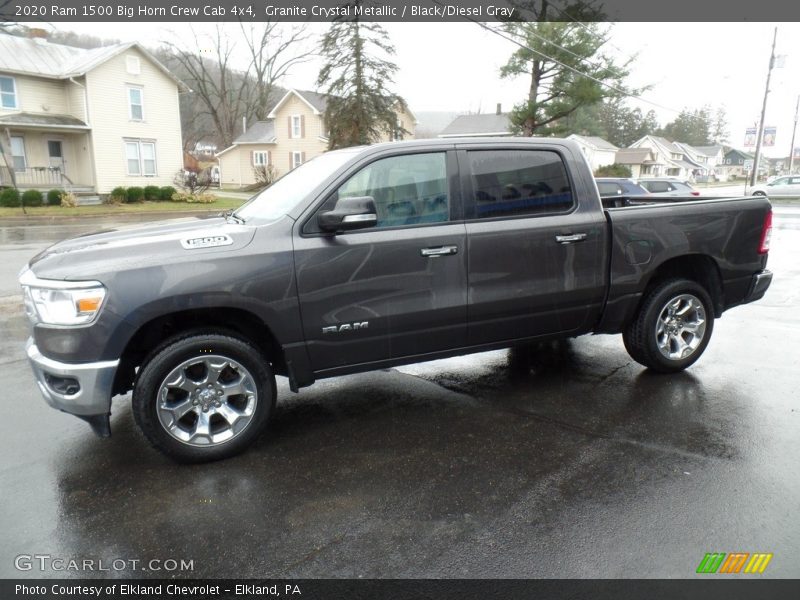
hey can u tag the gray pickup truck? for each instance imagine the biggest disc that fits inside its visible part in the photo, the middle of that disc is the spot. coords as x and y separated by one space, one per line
370 257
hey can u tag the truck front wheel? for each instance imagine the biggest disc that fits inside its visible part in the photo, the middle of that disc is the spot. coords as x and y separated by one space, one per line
202 397
673 326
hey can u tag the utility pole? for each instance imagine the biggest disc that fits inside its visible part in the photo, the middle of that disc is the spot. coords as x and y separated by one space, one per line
794 131
760 132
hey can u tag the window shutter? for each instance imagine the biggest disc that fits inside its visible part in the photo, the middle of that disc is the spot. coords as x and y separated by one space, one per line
302 157
291 161
253 158
302 126
290 125
269 157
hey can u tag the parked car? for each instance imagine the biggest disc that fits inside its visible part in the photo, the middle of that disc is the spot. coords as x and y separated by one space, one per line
787 186
369 257
668 186
619 186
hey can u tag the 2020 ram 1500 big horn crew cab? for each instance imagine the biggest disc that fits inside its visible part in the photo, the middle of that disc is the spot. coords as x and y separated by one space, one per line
369 257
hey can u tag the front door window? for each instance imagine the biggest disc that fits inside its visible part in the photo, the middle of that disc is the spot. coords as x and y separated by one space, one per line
55 152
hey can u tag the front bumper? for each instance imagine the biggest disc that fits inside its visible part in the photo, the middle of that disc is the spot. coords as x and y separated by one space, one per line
759 285
81 389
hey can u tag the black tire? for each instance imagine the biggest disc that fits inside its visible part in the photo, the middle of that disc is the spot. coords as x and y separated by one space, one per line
642 340
227 360
759 194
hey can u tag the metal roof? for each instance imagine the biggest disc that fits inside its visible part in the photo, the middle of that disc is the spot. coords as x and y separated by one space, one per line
40 58
486 124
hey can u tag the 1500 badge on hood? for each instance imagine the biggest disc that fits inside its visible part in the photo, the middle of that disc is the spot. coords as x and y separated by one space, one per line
209 241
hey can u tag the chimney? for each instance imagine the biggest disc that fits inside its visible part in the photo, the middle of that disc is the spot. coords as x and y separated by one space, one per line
499 109
244 124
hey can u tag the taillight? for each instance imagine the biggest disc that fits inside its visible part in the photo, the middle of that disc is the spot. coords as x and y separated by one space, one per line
766 234
695 193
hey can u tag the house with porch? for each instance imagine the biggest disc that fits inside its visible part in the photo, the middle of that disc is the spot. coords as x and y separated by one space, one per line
87 120
670 160
293 133
737 164
708 157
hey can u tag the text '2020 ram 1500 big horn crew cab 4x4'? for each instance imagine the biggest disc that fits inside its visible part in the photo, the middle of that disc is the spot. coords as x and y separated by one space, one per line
369 257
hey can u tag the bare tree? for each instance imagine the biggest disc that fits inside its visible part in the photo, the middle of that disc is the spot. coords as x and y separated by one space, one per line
274 49
228 90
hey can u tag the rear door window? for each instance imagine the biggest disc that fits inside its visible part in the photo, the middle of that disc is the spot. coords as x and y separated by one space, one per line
510 183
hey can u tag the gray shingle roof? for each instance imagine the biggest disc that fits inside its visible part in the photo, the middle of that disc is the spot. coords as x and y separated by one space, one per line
709 150
315 99
632 156
260 132
597 142
465 125
42 120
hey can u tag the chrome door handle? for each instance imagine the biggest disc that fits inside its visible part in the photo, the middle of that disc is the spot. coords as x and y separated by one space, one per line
570 239
440 251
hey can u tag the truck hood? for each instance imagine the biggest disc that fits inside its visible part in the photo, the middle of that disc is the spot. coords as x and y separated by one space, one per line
135 246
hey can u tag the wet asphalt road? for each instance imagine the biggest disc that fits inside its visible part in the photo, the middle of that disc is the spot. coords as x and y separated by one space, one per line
564 461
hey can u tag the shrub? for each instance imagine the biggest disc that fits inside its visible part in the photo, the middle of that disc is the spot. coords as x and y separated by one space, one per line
32 198
135 194
118 195
152 192
54 197
165 193
615 170
9 197
203 198
69 200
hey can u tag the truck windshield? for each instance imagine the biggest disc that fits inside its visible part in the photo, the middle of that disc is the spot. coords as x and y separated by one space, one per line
283 195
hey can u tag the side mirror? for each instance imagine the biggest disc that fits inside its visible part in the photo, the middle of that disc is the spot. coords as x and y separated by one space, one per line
348 214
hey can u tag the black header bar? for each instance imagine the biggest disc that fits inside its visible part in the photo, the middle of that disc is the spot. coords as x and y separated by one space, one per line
64 11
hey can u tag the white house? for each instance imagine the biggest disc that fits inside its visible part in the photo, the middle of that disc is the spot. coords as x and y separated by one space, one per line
88 120
597 151
669 160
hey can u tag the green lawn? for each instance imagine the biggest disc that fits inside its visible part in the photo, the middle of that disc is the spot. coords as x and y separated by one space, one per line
221 204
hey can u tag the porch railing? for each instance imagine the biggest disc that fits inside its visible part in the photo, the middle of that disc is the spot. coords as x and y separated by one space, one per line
33 176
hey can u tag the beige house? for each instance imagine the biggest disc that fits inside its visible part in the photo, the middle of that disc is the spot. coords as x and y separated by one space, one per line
293 133
87 120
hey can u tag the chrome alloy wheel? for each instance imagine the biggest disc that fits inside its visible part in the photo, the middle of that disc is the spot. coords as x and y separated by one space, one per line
207 400
680 327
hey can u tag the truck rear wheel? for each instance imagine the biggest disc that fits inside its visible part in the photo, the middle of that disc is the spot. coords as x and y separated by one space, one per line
203 397
673 326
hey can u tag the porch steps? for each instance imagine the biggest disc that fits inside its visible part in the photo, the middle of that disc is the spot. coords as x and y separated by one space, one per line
88 199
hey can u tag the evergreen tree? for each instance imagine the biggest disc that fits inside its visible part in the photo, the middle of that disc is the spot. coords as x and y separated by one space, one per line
356 76
556 57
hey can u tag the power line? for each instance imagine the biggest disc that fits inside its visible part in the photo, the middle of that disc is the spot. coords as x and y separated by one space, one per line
619 91
605 40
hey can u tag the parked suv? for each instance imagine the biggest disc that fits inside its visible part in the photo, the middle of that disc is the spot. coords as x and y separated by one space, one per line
668 186
370 257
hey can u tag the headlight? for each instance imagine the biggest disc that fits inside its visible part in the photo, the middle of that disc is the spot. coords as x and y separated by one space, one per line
61 302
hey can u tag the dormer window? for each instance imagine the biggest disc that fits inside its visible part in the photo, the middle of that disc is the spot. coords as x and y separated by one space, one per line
8 93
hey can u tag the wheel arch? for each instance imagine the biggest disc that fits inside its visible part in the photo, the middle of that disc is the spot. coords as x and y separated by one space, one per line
236 320
700 268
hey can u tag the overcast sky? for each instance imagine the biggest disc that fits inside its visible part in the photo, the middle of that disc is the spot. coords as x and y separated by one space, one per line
455 67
